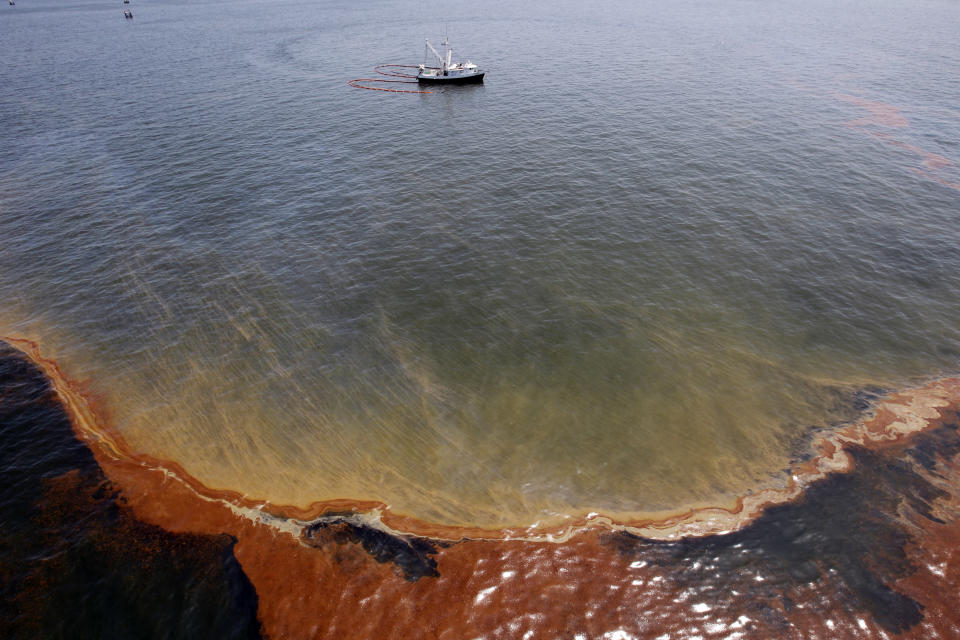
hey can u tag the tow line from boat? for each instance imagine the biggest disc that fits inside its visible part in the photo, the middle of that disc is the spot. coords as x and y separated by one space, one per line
389 70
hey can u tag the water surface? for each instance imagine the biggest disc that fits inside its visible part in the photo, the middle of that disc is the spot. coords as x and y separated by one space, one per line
628 273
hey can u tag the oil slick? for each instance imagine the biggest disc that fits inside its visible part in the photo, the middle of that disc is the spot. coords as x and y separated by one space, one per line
863 542
887 116
74 560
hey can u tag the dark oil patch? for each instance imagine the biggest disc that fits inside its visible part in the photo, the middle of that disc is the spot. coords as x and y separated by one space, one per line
412 555
847 535
843 406
75 562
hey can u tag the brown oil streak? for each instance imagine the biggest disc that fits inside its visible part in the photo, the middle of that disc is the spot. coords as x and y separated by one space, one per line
882 114
493 586
887 115
937 580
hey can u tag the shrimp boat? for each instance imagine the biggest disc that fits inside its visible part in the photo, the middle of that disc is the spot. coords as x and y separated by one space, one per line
448 72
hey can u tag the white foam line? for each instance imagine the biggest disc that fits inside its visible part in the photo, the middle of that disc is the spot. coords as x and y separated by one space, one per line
909 417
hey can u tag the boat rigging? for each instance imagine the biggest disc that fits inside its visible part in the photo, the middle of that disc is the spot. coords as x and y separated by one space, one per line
448 72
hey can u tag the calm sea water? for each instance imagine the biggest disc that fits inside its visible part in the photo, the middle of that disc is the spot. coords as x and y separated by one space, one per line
626 274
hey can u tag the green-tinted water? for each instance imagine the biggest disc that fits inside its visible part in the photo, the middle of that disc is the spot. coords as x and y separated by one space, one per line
628 282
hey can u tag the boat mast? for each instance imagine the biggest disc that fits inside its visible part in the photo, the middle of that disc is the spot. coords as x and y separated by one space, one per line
444 62
446 45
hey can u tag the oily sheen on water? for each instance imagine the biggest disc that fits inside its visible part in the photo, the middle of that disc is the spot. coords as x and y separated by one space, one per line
553 294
